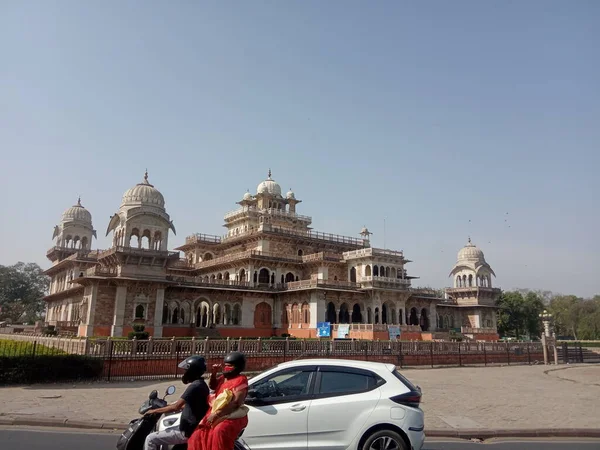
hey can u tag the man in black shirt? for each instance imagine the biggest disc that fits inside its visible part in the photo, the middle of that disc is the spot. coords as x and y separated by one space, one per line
193 402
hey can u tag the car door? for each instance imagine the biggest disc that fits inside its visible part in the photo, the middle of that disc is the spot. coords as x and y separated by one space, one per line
279 405
343 400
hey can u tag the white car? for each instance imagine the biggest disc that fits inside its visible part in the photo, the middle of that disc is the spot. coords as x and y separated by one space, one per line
333 404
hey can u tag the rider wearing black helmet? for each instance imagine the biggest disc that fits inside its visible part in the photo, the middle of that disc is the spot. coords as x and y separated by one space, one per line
193 402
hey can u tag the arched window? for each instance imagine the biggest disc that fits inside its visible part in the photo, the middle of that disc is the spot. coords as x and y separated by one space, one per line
237 314
330 314
140 312
263 276
165 316
305 313
344 316
375 271
300 252
289 277
368 271
353 275
175 316
356 314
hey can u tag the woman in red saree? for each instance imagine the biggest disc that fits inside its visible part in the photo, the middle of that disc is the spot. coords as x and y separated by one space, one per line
215 432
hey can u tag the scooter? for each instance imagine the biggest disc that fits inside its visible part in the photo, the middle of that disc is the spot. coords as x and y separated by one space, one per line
172 421
133 438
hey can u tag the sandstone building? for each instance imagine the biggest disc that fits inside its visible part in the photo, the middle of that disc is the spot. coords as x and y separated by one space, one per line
270 274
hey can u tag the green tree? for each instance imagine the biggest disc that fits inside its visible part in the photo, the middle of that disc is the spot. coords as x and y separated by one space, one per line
588 326
566 311
519 315
22 287
533 306
511 317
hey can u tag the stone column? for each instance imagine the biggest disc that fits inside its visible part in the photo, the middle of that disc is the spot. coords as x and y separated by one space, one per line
318 308
277 311
88 329
433 318
119 311
158 312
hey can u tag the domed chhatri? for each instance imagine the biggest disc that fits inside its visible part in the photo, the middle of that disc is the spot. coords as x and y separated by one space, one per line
143 193
470 252
77 213
290 195
247 196
269 186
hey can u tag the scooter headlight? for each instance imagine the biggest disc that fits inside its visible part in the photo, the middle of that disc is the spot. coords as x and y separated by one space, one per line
169 422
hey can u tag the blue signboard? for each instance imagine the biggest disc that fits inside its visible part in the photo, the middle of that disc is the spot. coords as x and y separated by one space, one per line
323 329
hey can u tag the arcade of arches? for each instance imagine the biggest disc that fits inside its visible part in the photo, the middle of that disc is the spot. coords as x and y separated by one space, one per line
387 315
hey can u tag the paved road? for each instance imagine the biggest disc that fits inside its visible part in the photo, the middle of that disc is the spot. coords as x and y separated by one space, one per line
16 439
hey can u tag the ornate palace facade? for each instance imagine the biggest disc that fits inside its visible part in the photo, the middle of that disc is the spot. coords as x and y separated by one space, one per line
270 274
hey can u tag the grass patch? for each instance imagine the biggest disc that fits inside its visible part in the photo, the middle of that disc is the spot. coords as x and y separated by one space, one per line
10 349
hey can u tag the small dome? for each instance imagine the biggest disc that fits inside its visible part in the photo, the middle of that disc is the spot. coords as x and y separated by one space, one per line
470 252
290 195
144 193
247 196
77 212
269 186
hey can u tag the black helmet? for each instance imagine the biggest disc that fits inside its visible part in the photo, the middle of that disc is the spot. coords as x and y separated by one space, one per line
194 366
237 360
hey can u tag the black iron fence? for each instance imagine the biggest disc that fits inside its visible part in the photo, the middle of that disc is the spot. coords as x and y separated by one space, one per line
116 359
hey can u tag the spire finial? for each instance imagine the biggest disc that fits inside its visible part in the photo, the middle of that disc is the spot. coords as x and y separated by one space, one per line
79 200
146 176
269 173
469 239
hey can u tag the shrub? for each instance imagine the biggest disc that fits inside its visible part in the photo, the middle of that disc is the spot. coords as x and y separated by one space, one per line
48 368
138 332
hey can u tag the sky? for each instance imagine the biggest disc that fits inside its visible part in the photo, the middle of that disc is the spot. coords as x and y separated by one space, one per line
428 122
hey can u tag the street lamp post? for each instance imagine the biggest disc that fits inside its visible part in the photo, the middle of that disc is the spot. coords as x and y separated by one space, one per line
548 337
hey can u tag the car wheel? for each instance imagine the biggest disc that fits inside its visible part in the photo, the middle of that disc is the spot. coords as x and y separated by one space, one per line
384 440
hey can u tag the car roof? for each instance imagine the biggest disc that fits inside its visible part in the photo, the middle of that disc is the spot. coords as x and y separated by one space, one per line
339 362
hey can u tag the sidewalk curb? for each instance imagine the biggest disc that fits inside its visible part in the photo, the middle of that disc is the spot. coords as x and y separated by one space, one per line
61 423
440 433
518 433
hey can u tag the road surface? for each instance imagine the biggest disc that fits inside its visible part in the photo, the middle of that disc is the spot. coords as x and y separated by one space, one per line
59 439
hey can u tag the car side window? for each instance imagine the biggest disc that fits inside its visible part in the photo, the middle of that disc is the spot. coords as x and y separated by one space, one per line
344 383
289 383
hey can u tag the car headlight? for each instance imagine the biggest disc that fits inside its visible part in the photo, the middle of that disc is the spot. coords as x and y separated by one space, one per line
169 422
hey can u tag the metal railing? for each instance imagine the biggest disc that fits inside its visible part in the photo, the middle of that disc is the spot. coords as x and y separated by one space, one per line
158 358
322 256
385 280
200 237
248 254
270 211
373 252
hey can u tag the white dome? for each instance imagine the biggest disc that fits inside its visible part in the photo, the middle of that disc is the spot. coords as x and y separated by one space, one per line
269 186
470 252
290 195
77 212
247 196
144 193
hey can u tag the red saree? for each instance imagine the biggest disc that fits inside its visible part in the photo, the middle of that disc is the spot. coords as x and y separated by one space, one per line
224 434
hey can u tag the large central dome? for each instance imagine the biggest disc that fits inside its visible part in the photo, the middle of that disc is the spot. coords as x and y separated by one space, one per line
143 193
269 186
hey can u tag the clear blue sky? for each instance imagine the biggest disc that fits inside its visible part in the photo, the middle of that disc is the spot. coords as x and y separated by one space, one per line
428 113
